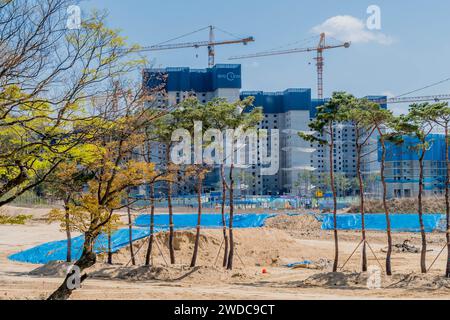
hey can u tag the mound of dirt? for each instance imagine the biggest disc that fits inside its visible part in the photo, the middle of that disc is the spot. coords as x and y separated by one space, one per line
253 247
336 280
171 273
404 247
183 245
304 224
404 205
419 282
411 281
52 269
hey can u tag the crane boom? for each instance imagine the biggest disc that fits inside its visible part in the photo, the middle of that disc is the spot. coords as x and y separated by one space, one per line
210 44
194 44
320 48
281 52
433 98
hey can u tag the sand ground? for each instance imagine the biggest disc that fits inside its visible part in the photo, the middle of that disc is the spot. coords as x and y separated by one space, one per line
284 240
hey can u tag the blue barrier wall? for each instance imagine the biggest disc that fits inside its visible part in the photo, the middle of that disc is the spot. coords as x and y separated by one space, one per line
187 221
377 222
57 250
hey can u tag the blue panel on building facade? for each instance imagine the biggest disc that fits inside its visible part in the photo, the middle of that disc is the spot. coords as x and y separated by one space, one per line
314 104
221 76
281 102
406 151
155 78
226 76
297 100
200 80
273 103
178 79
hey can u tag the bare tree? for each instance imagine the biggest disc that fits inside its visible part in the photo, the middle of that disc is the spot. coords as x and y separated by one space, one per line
47 74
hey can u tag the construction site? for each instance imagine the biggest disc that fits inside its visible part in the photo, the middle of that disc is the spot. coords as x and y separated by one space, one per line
137 180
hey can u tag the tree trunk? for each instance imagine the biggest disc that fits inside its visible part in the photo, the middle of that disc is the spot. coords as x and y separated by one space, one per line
152 225
130 229
423 255
68 234
88 259
109 249
199 221
224 221
333 189
386 209
231 255
169 205
447 198
362 209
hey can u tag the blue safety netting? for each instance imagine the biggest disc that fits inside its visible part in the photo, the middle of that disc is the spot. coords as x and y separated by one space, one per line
57 250
377 222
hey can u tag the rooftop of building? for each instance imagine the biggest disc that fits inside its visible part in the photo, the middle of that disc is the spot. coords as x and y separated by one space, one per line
228 76
292 99
182 79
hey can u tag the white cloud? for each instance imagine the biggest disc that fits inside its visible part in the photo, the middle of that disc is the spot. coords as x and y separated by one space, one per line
349 28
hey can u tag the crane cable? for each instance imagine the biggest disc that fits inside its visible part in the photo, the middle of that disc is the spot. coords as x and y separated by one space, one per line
423 88
182 36
229 33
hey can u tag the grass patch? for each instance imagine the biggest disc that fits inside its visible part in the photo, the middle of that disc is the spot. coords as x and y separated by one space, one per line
20 219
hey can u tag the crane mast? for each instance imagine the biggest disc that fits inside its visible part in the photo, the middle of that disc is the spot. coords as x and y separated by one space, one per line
211 49
320 65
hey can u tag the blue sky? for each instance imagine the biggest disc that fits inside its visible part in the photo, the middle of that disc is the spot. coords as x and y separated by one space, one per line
410 51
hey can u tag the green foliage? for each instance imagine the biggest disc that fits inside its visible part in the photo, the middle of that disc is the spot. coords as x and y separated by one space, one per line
326 115
49 79
420 123
241 114
19 219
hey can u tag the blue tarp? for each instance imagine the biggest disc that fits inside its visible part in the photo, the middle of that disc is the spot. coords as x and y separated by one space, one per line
296 264
57 250
377 222
186 221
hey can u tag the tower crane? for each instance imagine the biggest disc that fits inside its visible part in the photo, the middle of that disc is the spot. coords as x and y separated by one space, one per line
210 44
433 98
321 47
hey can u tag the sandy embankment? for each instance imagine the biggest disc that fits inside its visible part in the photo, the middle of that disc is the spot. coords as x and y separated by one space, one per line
283 240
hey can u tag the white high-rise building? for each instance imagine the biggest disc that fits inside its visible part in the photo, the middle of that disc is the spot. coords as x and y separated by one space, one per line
289 112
